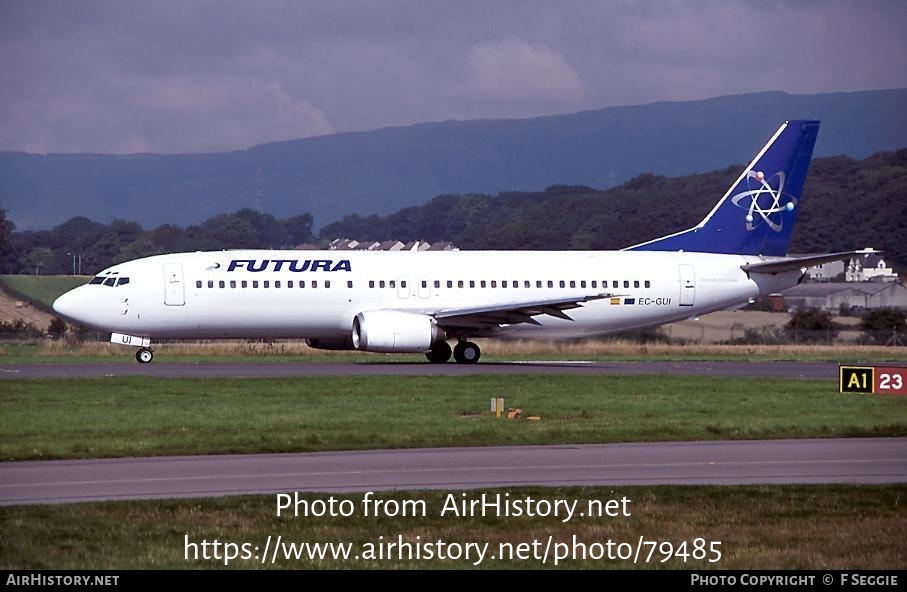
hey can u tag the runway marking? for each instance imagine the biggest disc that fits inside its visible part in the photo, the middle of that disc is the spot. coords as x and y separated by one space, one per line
446 470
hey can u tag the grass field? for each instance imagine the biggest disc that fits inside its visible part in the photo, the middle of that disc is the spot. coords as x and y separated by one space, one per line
138 416
41 288
238 352
829 527
769 527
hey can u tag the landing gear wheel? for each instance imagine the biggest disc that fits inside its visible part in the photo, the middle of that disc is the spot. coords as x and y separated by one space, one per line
439 353
144 356
467 352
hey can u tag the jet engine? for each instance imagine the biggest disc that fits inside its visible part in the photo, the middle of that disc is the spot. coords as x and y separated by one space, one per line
391 331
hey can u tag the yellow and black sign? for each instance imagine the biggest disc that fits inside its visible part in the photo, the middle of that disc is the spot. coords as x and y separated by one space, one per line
879 380
856 379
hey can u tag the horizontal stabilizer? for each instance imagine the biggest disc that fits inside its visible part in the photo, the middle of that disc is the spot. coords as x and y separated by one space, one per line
794 263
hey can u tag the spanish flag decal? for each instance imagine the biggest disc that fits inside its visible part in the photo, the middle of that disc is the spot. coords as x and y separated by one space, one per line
615 301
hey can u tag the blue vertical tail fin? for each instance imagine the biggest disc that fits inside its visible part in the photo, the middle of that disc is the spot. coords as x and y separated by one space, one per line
756 216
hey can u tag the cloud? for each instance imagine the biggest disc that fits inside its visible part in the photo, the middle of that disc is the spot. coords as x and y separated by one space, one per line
209 112
515 71
85 101
178 76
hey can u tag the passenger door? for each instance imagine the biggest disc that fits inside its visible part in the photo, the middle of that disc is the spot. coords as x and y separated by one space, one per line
174 292
687 285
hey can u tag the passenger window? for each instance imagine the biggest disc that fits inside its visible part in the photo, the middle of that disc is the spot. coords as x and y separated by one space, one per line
494 284
648 284
450 283
232 283
198 284
222 284
482 284
314 283
561 283
403 284
460 283
424 284
210 283
626 283
437 283
594 283
615 284
327 284
289 283
254 283
572 283
503 284
393 283
302 284
381 284
516 283
550 284
244 284
635 283
371 283
349 284
538 283
266 283
526 284
472 283
277 284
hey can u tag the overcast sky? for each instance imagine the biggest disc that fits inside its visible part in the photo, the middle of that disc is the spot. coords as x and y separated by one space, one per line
167 76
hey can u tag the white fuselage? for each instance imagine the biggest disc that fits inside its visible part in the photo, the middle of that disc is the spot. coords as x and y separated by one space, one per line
317 294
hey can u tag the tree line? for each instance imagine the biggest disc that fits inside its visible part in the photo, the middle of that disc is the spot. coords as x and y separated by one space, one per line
847 204
80 245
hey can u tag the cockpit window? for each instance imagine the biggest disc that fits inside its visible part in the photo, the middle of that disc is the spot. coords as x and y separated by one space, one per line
109 281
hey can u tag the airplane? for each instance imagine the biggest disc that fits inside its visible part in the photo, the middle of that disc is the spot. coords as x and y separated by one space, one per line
415 302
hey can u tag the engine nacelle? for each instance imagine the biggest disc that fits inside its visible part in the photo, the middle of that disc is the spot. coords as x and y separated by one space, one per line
392 331
340 343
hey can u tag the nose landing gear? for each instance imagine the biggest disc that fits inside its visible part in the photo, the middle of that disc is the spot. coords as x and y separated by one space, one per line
144 355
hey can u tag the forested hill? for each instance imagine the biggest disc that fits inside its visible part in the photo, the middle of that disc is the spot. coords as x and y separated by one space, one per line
380 171
847 204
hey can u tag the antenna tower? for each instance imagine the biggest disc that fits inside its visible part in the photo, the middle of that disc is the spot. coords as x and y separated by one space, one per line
259 191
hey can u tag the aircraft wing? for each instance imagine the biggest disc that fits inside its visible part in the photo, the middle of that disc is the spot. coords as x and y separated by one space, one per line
794 263
510 314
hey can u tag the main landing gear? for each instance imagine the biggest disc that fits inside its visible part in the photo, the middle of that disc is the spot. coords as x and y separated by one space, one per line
465 352
144 355
439 353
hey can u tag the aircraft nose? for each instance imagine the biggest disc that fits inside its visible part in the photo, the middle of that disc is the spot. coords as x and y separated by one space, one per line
65 305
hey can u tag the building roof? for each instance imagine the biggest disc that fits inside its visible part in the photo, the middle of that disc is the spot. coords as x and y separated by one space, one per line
871 261
828 288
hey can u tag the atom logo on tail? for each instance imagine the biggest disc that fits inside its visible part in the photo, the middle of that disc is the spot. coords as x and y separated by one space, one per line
757 187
